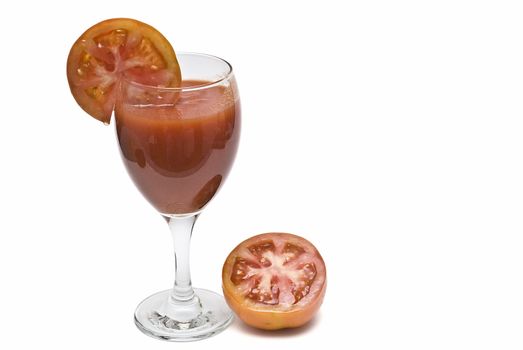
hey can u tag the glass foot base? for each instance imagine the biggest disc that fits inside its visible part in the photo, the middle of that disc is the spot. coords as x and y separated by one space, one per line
214 318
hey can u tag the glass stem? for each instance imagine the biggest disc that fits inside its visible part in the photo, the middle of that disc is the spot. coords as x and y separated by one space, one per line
183 305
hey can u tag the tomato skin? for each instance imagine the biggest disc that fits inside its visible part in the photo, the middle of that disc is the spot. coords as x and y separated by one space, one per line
271 317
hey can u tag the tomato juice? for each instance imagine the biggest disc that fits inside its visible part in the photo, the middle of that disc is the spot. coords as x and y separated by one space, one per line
179 153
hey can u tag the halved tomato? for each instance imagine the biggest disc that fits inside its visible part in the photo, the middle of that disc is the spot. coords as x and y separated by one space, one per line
274 280
113 48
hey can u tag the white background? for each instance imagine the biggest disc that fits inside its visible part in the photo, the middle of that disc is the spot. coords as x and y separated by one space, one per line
389 133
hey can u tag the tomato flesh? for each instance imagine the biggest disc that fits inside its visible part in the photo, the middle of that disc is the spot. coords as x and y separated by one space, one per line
274 280
265 276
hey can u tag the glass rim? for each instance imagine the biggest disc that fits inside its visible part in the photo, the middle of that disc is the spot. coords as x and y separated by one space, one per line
207 85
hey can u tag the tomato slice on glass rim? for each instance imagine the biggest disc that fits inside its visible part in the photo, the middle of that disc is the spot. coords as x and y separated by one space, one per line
274 281
114 48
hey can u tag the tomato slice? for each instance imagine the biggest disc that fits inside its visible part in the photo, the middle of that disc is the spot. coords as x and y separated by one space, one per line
274 280
113 48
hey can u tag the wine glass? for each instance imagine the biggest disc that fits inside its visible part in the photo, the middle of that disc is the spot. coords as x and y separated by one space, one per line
178 145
